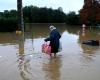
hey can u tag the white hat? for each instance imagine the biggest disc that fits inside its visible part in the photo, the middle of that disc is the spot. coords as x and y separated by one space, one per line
52 27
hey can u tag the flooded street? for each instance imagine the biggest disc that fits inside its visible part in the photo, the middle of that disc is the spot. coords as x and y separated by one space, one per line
21 57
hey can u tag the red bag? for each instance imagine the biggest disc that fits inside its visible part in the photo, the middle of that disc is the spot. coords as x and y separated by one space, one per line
46 48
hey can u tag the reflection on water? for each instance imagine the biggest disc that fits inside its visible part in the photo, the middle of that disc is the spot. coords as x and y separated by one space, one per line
21 57
52 69
24 67
24 61
87 34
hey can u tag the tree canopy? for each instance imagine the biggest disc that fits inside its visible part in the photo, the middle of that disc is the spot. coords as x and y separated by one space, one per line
33 14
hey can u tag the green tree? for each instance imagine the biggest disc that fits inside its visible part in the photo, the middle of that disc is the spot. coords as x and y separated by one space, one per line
72 18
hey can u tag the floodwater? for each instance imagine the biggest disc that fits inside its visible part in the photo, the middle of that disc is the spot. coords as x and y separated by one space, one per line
21 57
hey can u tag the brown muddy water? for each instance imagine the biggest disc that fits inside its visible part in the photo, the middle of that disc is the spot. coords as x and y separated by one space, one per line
21 57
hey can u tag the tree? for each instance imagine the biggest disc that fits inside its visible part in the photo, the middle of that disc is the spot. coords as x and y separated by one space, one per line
60 9
72 18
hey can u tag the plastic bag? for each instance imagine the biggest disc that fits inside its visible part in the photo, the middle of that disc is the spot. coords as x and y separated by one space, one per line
46 48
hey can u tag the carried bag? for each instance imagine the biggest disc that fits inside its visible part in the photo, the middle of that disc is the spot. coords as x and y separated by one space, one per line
46 48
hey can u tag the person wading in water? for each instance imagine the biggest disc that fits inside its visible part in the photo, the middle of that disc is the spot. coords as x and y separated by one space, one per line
54 40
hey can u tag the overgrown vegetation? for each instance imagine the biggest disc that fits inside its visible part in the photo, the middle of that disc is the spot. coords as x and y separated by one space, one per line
33 14
8 20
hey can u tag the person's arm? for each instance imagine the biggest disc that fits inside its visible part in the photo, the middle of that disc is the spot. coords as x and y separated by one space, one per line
51 37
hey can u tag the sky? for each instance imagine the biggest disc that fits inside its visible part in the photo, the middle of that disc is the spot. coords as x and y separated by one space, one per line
67 5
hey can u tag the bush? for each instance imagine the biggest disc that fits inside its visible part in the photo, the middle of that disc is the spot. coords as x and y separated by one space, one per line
8 24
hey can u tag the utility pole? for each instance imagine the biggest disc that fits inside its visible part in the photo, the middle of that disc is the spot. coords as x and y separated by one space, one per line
20 16
20 27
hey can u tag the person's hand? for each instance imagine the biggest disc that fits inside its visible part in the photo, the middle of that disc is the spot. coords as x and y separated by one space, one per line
45 40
